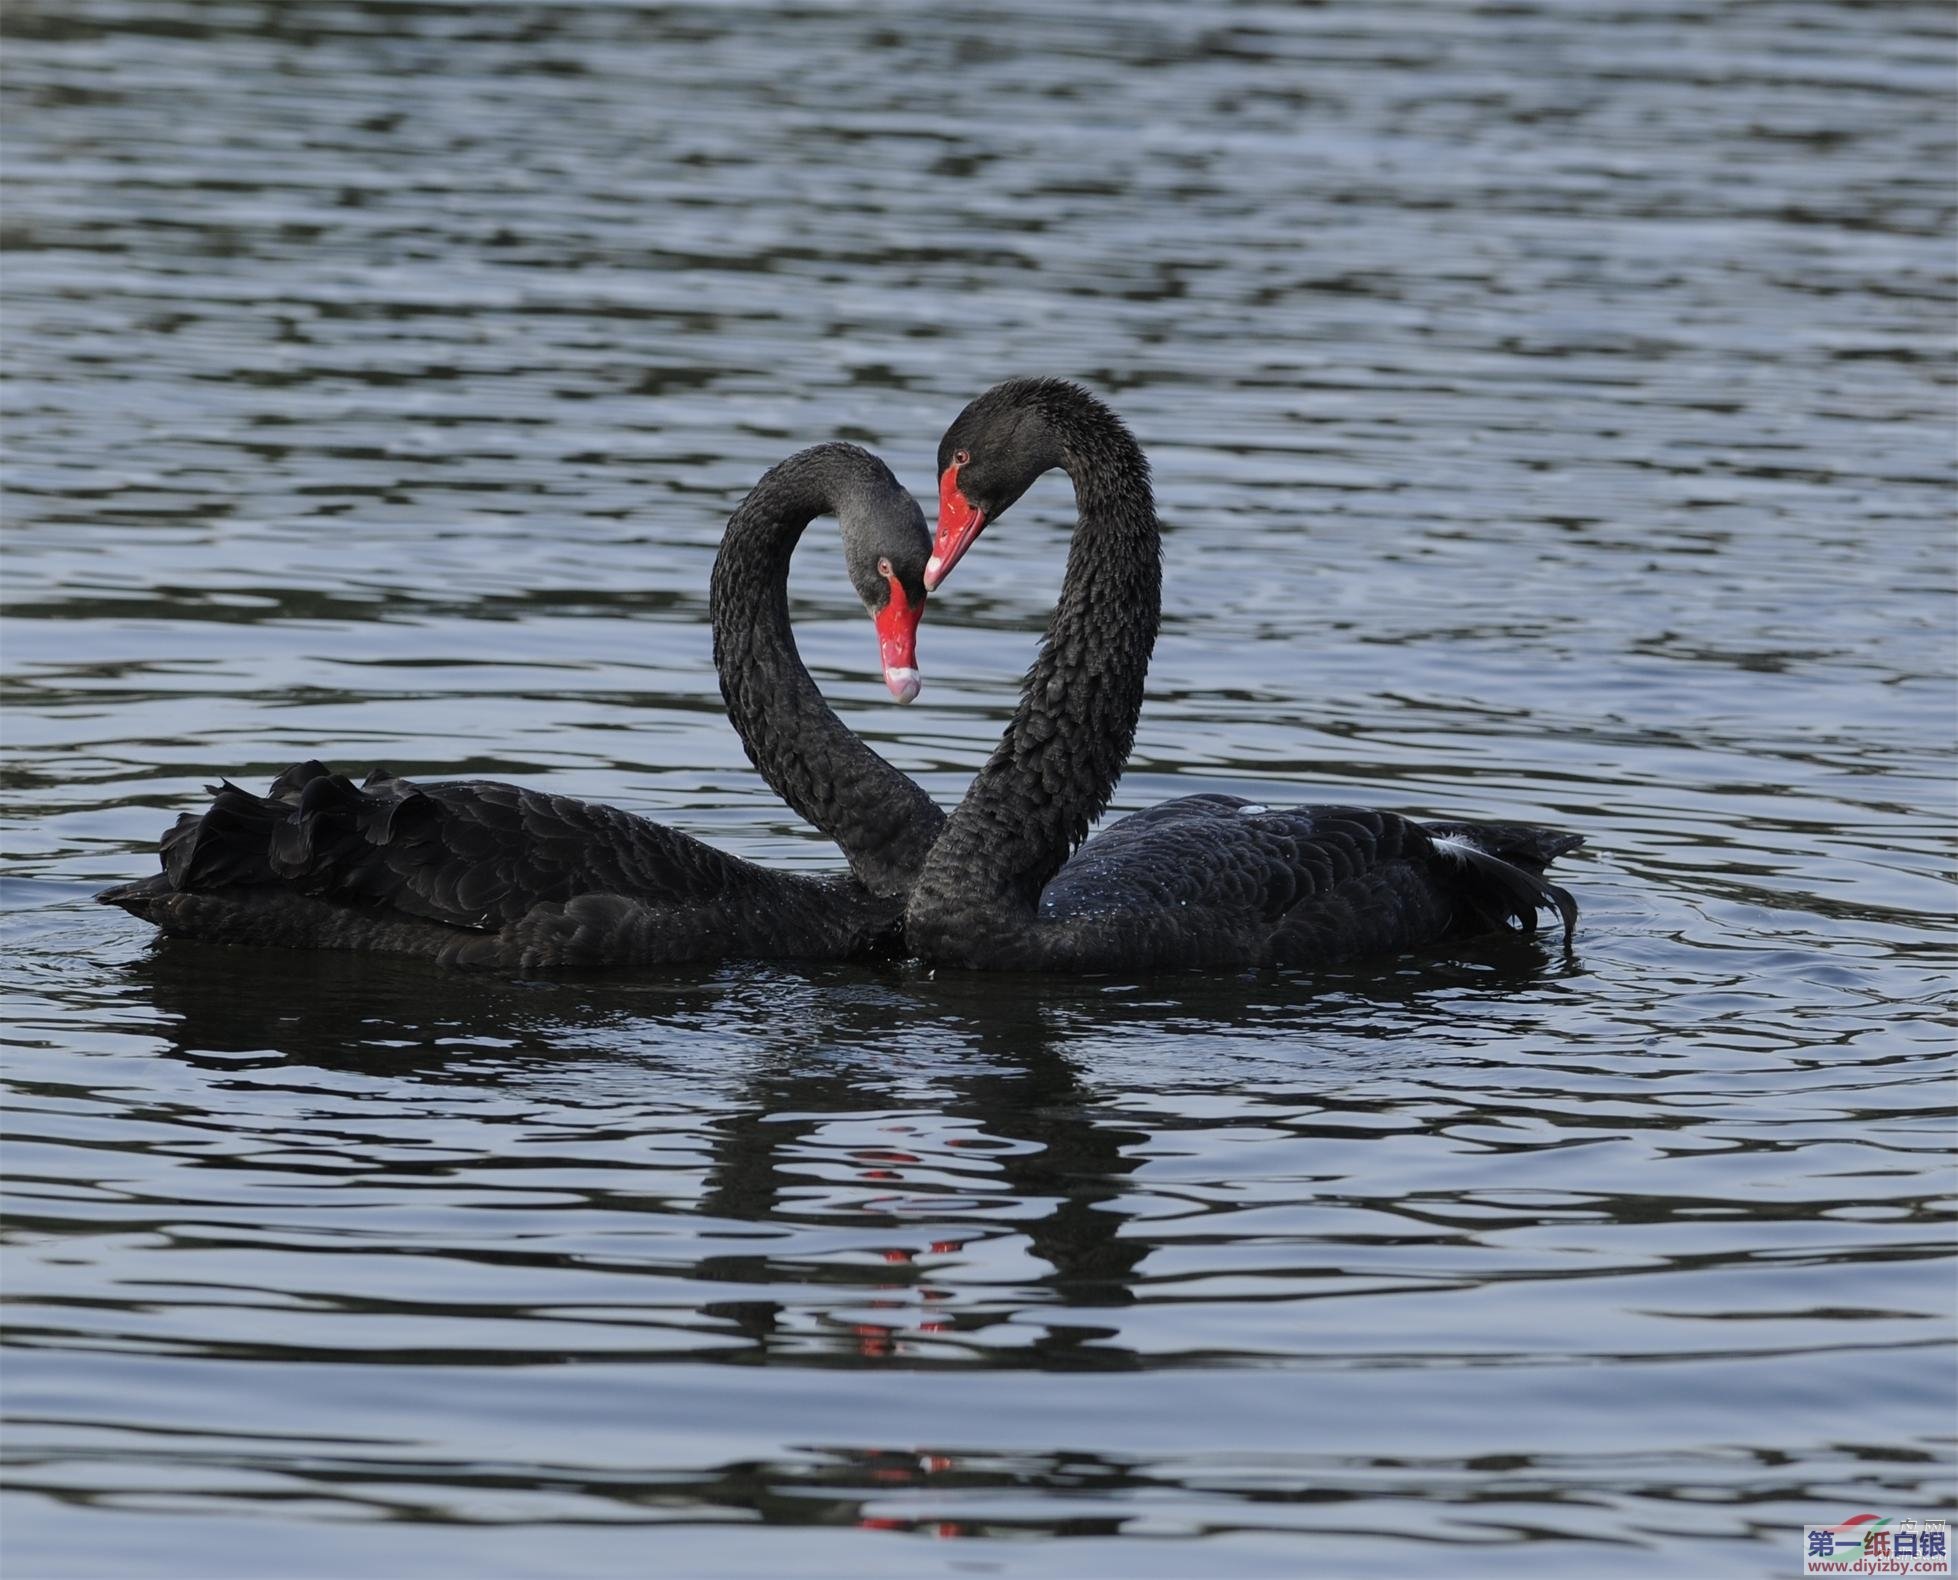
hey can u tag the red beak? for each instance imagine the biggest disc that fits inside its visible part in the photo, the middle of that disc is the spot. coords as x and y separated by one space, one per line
959 525
897 642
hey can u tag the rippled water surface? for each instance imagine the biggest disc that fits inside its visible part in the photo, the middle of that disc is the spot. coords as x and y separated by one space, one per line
1551 409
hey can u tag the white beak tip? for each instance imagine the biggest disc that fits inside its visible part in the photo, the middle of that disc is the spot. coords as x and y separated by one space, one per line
905 684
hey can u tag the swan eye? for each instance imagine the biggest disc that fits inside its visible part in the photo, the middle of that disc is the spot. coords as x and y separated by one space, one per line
962 458
884 567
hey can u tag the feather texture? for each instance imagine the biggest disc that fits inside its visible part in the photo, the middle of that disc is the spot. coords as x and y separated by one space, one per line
1209 880
477 872
480 873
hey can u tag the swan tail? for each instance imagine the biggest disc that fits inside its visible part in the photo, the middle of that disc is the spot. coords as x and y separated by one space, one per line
1505 863
293 867
308 832
138 898
282 918
1520 844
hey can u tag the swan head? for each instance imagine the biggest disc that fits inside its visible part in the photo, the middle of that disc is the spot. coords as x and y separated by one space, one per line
885 546
998 446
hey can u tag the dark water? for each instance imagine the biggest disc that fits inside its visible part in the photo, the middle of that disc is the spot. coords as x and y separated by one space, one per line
1552 414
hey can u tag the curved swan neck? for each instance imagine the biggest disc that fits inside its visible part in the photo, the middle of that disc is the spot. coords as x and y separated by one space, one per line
1062 756
883 822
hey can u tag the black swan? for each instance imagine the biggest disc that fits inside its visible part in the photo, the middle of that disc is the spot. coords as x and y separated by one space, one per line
476 873
1209 880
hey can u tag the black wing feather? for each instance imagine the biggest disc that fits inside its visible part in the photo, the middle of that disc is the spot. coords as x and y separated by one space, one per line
1216 879
477 872
467 853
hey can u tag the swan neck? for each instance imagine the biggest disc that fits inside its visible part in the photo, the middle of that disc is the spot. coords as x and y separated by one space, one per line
883 822
1062 756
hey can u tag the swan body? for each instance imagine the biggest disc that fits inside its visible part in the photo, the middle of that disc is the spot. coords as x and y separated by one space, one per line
480 873
1205 881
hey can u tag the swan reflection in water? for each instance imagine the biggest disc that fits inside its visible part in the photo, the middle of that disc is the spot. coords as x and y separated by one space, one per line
822 1160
